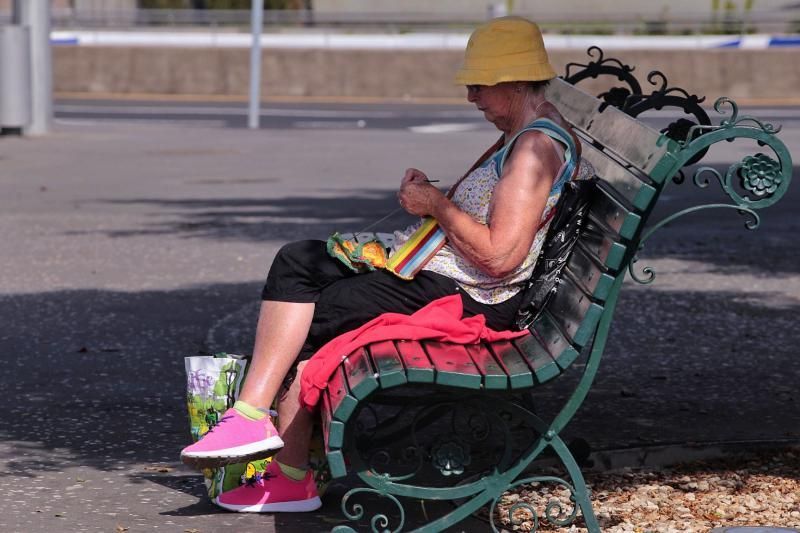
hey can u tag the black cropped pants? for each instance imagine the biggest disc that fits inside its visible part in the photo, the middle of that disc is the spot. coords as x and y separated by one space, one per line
303 272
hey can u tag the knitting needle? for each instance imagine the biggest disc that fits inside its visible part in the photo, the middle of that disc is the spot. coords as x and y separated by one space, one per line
392 213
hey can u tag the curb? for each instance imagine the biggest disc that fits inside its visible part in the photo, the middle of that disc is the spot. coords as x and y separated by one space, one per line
663 455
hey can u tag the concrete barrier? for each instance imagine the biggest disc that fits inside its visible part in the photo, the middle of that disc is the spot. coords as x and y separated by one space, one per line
752 75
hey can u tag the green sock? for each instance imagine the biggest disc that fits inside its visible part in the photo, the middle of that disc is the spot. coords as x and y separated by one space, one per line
248 411
292 472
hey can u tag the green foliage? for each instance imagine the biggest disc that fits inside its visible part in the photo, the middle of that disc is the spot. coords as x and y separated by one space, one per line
163 4
587 29
732 20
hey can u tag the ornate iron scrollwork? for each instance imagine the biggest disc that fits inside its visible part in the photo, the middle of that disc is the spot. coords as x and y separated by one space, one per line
602 66
467 451
757 181
632 101
379 523
730 122
674 97
554 511
398 450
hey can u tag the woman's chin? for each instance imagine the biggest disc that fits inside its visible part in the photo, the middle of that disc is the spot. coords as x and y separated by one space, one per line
493 120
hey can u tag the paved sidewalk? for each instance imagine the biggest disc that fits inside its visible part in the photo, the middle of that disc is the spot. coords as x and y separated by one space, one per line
127 247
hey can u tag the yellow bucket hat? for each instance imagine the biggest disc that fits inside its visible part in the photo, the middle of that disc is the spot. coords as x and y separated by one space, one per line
505 49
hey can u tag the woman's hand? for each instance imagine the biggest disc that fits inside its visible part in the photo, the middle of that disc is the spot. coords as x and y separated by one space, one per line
417 196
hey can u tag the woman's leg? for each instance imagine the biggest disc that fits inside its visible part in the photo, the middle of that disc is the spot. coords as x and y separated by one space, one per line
296 425
298 274
282 329
280 334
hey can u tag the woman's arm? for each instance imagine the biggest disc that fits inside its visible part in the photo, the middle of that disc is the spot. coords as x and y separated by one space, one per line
519 199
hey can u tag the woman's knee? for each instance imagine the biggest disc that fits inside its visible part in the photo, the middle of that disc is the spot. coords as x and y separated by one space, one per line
298 252
294 274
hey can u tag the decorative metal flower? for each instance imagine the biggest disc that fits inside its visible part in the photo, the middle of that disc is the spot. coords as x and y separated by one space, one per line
679 130
616 96
450 457
760 174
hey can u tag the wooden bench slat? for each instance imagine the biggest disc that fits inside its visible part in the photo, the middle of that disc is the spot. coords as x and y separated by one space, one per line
454 366
361 378
518 372
333 429
629 186
388 364
574 312
326 416
589 275
419 368
554 341
631 140
602 247
494 376
334 454
336 463
542 364
342 402
610 213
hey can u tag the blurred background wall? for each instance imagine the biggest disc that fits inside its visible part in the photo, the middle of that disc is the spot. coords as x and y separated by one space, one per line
82 65
769 76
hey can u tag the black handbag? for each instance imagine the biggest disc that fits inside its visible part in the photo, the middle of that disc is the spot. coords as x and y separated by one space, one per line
565 229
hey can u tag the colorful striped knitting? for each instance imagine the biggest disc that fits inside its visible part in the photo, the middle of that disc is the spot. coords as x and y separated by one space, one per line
423 244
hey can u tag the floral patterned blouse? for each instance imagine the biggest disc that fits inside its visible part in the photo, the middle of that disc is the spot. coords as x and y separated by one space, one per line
473 195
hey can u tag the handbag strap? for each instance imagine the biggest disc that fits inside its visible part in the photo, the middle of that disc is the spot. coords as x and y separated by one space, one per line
556 132
482 159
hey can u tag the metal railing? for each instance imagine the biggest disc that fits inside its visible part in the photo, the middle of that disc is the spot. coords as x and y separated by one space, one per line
576 23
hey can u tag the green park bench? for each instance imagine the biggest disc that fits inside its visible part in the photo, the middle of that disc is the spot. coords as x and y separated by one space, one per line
422 421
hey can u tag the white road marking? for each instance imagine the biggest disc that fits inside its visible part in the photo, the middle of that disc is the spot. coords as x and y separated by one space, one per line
329 124
409 41
447 127
130 120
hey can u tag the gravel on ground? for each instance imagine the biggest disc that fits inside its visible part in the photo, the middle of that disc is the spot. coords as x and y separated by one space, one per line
752 489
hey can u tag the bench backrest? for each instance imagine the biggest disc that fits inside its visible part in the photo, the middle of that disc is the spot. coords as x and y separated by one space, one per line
624 152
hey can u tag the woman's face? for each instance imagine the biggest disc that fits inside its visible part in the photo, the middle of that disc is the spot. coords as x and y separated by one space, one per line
494 101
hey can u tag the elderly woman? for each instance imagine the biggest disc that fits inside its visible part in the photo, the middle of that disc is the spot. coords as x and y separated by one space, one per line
494 220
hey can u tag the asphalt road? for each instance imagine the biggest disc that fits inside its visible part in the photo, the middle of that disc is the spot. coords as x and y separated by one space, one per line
127 245
423 118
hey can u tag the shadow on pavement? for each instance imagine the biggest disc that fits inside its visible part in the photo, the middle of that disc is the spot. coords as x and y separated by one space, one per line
714 236
691 367
257 219
681 366
106 386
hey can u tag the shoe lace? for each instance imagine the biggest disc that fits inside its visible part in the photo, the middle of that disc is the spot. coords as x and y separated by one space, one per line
259 478
219 423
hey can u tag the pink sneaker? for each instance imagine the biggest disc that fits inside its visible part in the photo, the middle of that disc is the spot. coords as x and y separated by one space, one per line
273 492
235 439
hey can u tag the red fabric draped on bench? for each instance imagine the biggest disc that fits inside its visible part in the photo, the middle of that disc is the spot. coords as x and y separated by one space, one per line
441 320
